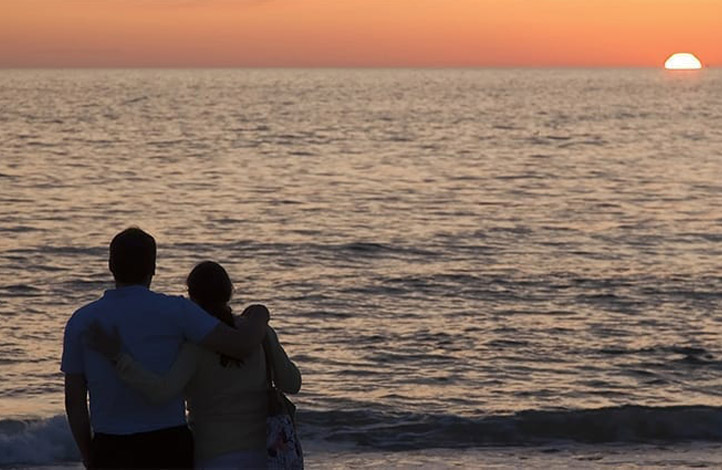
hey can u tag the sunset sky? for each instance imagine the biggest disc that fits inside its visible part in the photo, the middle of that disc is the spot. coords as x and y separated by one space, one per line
339 33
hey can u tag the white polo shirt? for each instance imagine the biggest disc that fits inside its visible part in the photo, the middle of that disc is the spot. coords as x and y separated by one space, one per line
153 327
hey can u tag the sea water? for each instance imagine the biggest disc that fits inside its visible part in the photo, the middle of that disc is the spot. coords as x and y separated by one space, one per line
472 268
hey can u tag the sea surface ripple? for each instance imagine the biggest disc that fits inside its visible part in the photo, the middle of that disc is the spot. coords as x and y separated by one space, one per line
437 247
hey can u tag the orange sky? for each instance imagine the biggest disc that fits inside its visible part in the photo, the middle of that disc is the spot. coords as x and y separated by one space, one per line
188 33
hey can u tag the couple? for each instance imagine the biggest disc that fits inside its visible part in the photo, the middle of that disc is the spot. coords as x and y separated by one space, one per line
138 352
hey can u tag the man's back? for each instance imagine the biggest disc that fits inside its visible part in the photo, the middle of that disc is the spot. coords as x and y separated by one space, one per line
153 327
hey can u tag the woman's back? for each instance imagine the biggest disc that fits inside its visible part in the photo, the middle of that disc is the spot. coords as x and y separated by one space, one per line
228 404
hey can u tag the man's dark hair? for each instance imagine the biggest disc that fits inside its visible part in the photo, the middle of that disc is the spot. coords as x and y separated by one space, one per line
132 256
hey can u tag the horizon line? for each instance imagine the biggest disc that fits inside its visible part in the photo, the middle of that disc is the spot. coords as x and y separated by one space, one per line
337 67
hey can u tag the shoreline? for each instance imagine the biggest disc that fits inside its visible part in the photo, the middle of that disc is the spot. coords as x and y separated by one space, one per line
586 457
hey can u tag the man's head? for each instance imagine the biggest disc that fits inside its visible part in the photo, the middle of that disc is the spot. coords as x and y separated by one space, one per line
132 257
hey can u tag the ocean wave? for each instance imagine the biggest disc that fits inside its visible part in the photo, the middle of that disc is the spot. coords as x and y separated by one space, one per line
45 441
373 248
36 442
623 424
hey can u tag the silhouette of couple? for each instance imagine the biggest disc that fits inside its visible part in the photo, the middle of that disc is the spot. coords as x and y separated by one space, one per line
142 356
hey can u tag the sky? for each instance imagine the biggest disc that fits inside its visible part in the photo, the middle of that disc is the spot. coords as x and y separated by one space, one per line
357 33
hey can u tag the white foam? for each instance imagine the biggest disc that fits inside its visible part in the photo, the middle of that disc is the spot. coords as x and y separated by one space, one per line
44 441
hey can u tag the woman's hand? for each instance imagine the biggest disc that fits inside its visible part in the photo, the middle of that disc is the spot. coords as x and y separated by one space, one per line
109 345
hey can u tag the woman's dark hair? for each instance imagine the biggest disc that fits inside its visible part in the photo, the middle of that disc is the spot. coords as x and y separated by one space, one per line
210 287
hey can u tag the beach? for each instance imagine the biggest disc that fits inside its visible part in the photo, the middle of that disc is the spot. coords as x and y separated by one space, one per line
582 458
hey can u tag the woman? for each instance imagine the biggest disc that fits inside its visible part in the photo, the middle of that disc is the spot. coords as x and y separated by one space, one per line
227 399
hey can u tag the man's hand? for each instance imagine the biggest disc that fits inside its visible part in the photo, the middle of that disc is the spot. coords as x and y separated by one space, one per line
76 408
244 339
258 312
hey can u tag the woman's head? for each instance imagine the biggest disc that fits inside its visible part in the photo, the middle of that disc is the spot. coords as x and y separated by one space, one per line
210 287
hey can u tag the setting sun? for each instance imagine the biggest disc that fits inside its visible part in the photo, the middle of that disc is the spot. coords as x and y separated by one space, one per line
682 61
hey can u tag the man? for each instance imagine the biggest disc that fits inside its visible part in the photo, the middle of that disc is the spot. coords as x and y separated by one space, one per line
127 431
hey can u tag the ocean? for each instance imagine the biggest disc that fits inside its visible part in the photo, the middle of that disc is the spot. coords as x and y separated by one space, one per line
490 268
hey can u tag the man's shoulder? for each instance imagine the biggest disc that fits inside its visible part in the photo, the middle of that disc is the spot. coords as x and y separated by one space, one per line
170 300
171 306
86 311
